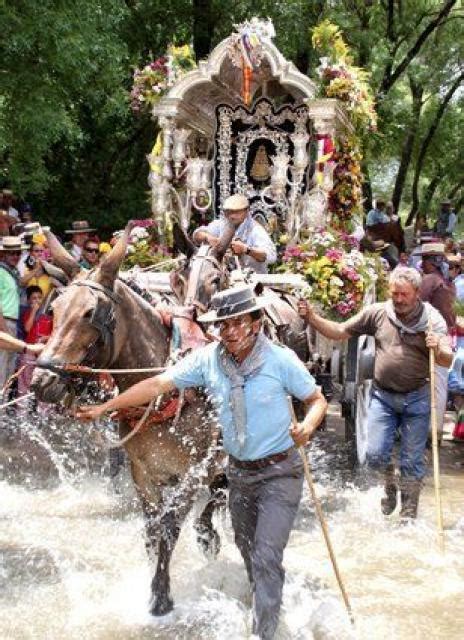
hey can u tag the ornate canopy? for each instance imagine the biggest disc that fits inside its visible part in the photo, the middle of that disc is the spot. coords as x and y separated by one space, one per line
250 118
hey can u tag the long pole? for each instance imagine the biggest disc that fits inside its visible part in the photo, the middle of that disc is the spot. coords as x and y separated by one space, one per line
309 479
436 459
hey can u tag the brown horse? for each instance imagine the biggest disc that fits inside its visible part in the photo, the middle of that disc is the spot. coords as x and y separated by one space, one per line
100 321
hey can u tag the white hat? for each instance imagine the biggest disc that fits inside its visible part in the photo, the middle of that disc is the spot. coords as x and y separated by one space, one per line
433 249
236 202
11 243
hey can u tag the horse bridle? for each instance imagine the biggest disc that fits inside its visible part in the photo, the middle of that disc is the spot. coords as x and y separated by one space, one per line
103 319
197 262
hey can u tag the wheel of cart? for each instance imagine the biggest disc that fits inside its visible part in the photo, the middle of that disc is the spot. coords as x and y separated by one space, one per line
358 364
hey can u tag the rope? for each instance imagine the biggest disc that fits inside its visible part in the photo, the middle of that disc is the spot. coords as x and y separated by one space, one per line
139 425
12 377
16 400
79 368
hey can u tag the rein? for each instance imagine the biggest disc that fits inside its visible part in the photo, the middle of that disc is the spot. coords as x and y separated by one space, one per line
103 320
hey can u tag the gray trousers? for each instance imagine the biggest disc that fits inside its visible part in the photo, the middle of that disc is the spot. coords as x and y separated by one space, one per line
263 505
7 359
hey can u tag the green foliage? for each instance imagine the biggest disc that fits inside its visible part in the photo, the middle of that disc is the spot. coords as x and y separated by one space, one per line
70 145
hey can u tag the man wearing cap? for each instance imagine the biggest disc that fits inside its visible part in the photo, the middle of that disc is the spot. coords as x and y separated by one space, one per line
10 253
377 215
248 379
252 244
446 220
400 397
79 232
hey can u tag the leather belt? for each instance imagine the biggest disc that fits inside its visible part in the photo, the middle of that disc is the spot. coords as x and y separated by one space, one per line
260 463
10 319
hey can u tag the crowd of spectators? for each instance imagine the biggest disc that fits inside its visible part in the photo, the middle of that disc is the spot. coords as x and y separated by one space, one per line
27 281
28 277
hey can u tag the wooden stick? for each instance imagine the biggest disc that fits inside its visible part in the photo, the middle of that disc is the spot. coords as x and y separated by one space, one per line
435 456
322 521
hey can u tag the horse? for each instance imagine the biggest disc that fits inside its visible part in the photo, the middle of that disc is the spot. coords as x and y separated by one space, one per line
206 271
99 321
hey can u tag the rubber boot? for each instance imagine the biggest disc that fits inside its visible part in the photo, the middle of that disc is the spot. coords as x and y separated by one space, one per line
389 501
410 490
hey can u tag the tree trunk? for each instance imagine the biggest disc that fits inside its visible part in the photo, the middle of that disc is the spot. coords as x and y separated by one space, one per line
408 144
390 75
430 191
367 186
203 26
425 145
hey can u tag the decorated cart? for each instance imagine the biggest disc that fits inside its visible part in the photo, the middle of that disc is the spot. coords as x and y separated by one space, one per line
247 121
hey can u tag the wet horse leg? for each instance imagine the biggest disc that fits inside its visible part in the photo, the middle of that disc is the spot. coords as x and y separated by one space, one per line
170 524
207 536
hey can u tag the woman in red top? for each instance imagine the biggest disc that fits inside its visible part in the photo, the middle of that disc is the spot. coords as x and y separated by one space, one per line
37 327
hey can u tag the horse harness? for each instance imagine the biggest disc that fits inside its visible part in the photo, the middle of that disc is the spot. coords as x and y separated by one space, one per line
103 320
202 255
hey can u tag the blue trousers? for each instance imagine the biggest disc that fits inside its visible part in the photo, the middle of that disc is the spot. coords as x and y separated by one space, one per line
406 413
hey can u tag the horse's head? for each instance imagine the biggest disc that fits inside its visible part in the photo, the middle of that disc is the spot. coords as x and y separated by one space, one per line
203 273
84 321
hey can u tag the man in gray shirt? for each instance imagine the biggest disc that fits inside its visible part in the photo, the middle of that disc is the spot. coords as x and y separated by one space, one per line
400 400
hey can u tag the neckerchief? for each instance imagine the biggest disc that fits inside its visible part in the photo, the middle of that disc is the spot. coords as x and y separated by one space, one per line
417 321
237 374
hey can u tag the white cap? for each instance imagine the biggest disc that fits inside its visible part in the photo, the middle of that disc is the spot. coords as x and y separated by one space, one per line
236 202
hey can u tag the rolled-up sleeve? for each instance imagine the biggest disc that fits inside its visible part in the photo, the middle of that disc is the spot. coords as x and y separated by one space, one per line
189 371
260 239
297 380
214 228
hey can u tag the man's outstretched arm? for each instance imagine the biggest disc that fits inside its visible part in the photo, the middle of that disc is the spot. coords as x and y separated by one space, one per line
139 394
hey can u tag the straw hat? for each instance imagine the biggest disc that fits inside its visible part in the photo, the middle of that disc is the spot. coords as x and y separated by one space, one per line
433 249
12 243
453 260
79 226
234 302
236 202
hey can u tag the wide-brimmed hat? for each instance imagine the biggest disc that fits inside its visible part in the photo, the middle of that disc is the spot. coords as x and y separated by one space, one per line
12 243
445 201
433 249
234 302
236 202
4 215
453 260
79 226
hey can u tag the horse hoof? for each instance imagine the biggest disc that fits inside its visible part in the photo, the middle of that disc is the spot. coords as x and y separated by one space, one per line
162 606
208 540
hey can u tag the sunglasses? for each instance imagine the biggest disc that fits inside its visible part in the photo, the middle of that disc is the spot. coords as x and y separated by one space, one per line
91 250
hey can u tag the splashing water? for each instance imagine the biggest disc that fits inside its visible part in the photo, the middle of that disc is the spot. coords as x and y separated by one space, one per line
73 563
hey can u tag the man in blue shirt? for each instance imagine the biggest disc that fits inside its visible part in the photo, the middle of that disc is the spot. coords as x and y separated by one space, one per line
377 214
249 380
